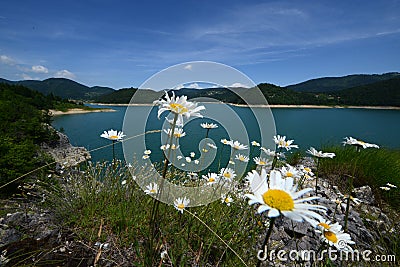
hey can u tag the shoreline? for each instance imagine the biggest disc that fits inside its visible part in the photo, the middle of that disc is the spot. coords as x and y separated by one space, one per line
268 106
78 111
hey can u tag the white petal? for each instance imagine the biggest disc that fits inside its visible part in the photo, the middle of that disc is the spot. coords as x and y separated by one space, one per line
262 208
301 192
273 213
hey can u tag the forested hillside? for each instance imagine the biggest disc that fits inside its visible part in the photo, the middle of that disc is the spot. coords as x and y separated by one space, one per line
24 117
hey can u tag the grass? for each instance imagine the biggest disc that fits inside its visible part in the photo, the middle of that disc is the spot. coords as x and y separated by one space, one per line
101 202
373 167
96 199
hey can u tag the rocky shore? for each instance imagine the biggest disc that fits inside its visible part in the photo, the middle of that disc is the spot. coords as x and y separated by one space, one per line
64 153
31 234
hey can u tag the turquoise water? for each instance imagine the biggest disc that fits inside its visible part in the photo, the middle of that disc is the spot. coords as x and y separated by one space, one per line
308 127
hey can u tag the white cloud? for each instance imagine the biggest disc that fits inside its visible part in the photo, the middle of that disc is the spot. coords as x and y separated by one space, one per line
179 87
193 86
7 60
39 69
64 74
188 67
26 76
238 85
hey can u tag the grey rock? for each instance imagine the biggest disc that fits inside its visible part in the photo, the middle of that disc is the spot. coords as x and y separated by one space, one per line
364 194
64 153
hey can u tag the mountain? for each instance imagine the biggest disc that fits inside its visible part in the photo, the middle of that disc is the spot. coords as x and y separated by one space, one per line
124 96
62 87
331 84
382 93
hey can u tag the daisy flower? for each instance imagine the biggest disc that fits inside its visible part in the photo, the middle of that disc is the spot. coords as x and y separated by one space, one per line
152 188
209 125
255 143
391 185
211 178
145 157
227 173
147 152
354 142
319 154
163 255
212 146
196 161
173 147
192 175
179 157
306 171
334 235
188 159
242 158
272 153
178 123
261 161
192 154
236 145
178 132
113 135
164 147
181 203
268 151
280 197
179 106
385 188
289 171
280 141
227 199
225 141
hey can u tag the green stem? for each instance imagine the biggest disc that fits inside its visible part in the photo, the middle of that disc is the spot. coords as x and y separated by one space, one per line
275 160
265 243
156 203
316 177
113 151
346 217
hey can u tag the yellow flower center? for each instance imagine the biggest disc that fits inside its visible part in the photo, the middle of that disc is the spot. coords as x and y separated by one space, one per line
286 144
262 162
289 174
181 206
178 135
307 169
325 225
331 236
152 191
227 200
227 175
178 108
113 137
281 143
278 199
212 179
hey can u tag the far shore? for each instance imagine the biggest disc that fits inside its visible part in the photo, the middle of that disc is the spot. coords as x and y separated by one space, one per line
265 106
79 111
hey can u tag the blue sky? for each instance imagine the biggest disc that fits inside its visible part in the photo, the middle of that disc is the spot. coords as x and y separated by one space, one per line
122 43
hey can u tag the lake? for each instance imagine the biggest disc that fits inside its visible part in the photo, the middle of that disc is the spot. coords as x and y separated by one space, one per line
307 126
